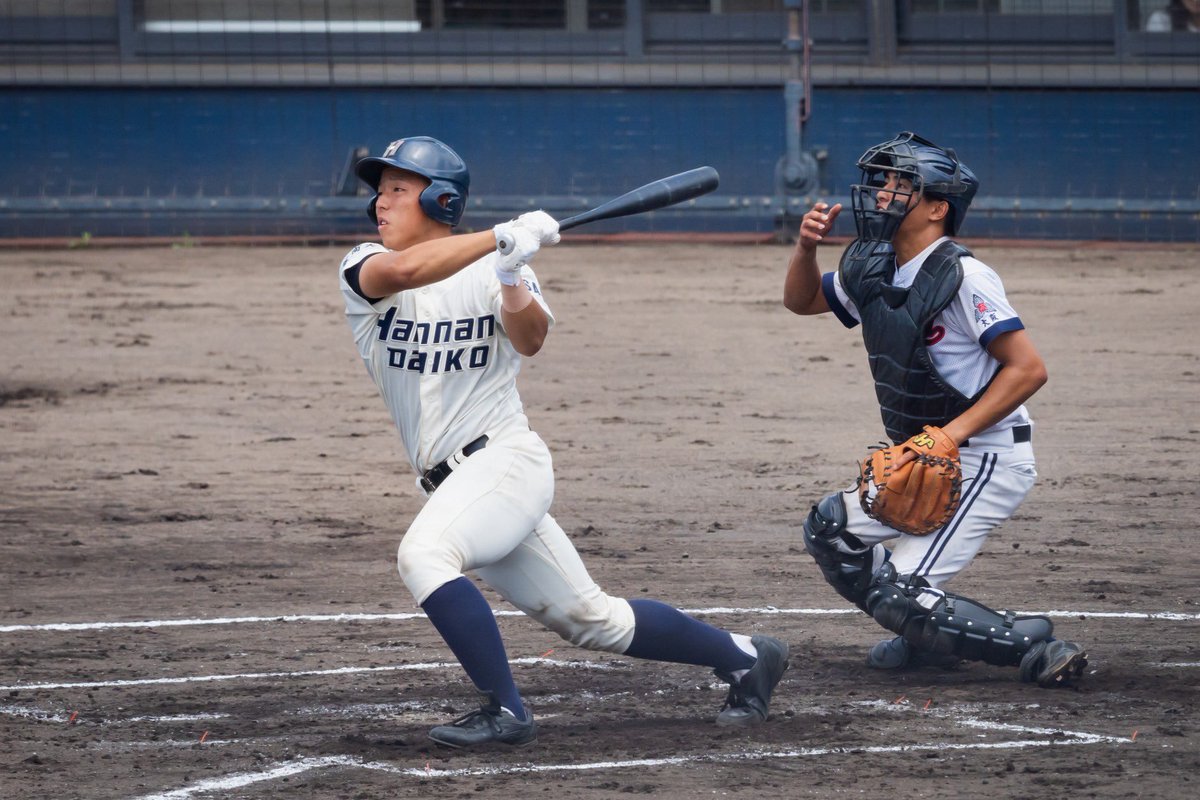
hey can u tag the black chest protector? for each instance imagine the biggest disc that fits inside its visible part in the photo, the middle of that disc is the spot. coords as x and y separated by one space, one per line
895 321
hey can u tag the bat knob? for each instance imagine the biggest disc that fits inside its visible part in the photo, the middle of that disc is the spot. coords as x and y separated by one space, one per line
504 243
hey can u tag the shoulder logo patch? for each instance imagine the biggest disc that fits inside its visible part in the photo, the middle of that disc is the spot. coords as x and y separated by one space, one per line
984 314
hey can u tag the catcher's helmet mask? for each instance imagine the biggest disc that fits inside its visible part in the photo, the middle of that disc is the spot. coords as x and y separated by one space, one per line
933 171
436 162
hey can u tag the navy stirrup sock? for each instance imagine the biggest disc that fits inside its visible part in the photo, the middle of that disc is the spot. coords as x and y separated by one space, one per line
664 633
464 619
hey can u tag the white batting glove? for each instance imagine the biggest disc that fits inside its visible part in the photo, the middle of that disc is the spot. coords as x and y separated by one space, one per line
515 245
542 224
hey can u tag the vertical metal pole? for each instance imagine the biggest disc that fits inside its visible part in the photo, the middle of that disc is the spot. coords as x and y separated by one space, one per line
576 13
635 29
793 90
806 66
125 29
881 32
1122 21
797 170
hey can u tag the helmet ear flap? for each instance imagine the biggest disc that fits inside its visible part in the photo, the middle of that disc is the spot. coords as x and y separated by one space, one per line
431 202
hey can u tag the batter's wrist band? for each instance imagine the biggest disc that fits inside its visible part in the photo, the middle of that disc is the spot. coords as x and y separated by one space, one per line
515 298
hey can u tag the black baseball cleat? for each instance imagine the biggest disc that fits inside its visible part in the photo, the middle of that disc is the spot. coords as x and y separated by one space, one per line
749 698
1055 663
491 723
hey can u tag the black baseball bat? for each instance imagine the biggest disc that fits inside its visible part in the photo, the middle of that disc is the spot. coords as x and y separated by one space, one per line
656 194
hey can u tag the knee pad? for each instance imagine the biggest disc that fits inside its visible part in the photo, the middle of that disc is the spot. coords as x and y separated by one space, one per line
936 621
847 563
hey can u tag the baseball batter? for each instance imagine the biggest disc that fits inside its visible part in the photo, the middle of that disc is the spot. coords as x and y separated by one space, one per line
441 322
946 349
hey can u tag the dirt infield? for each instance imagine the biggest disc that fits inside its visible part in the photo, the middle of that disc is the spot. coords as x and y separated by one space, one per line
202 496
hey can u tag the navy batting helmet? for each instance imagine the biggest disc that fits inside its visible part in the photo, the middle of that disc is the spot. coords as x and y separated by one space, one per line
933 171
429 158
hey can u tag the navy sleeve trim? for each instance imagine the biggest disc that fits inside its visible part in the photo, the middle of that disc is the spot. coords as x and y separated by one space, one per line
351 274
1007 325
835 305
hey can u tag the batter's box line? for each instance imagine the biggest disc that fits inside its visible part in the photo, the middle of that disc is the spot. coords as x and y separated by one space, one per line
955 713
589 665
407 616
43 715
240 780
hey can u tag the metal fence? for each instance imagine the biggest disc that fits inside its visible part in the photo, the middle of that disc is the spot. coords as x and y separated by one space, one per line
229 117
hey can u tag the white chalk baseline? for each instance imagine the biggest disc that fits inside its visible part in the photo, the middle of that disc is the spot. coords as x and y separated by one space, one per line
1171 616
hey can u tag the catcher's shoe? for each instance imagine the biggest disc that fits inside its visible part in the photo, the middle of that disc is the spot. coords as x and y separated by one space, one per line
749 698
491 723
1054 663
899 654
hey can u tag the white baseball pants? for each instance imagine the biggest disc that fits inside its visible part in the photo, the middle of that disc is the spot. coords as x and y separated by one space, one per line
996 478
491 515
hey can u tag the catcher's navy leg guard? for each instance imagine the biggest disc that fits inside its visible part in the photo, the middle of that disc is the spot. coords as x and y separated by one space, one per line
847 563
933 620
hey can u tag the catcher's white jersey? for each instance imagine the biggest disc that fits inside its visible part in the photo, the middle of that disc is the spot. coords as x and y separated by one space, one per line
958 337
997 472
439 356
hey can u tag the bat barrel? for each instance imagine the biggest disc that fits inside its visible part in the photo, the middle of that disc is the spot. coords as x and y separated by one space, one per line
657 194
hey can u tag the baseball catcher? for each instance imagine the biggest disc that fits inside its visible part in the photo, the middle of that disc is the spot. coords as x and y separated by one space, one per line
953 367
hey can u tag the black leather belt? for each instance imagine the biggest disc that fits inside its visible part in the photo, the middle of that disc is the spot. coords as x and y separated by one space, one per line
1020 434
434 477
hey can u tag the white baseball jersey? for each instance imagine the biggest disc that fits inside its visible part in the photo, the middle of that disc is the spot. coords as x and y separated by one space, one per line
958 337
440 357
447 371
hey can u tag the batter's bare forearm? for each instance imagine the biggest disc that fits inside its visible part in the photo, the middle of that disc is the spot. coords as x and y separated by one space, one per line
424 263
523 319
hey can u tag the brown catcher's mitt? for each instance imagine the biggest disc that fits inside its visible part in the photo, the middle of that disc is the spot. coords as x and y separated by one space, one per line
920 496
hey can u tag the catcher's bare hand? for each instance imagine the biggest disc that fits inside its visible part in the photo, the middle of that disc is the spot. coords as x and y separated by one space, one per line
817 224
